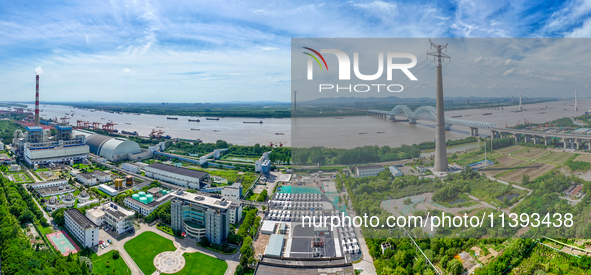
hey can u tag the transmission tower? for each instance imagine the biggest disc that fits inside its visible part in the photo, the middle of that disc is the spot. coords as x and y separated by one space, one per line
440 150
520 107
576 102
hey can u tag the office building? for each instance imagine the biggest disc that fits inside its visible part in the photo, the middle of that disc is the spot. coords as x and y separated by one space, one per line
82 228
116 217
201 216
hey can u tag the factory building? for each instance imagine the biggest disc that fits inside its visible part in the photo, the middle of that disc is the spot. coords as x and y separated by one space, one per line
233 192
37 146
131 168
144 203
93 178
177 175
108 190
82 228
113 148
46 184
369 171
263 165
395 171
200 216
115 216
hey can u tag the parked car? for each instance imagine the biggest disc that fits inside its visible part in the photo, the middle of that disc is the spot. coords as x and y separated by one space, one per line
109 240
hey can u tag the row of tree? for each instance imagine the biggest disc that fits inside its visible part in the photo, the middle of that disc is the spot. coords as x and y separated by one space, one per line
18 257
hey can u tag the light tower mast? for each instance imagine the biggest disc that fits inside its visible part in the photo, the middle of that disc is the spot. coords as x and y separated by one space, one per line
440 149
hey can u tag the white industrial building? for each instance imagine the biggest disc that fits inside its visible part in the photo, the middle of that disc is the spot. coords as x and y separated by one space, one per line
233 192
82 228
263 164
108 190
176 175
93 178
395 171
131 168
117 217
113 148
46 184
369 171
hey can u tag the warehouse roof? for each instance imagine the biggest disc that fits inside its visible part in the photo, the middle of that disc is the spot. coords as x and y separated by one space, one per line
370 167
275 246
79 218
178 170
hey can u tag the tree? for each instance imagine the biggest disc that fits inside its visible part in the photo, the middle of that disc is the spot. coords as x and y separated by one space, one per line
204 242
239 270
455 267
58 216
116 255
246 252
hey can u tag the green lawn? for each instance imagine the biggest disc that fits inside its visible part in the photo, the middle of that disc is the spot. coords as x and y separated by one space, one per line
46 230
144 248
115 267
198 263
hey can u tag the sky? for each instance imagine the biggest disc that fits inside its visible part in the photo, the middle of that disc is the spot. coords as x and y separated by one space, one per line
222 51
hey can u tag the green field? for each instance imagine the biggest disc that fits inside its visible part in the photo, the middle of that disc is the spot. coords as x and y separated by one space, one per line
198 263
144 248
115 267
557 157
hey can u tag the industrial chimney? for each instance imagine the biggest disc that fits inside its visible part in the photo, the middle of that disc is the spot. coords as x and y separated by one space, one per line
37 101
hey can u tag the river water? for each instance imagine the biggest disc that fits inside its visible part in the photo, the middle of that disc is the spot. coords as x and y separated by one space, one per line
345 132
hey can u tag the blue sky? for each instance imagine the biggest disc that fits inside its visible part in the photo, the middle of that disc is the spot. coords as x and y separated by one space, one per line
217 51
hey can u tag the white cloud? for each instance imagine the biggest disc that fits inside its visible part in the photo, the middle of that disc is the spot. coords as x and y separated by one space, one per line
126 70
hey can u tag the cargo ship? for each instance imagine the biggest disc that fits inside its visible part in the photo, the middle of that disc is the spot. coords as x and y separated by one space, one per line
279 134
172 118
195 129
487 114
134 133
194 120
260 122
456 116
209 118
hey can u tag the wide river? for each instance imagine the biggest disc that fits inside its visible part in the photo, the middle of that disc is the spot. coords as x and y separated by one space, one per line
345 132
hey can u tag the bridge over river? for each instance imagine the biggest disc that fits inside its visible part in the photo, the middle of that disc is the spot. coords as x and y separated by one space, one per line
429 113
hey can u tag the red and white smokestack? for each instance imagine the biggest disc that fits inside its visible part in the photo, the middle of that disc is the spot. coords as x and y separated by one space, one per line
37 102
